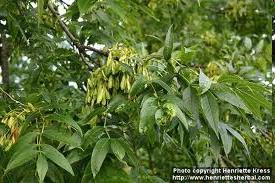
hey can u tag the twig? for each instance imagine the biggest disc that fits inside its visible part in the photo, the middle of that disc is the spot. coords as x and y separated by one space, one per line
104 53
63 2
16 101
228 161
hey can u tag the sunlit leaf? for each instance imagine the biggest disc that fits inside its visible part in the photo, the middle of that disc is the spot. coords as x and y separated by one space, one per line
117 149
41 167
99 153
58 158
204 81
168 46
147 113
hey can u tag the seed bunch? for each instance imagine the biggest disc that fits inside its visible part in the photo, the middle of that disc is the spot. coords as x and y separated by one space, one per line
115 76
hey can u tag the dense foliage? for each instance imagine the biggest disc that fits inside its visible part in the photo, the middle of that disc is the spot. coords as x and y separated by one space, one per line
124 90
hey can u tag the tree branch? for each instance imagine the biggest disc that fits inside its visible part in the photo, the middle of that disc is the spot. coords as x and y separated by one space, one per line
82 48
63 2
5 61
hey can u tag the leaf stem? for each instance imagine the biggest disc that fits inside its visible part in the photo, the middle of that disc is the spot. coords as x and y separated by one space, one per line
105 127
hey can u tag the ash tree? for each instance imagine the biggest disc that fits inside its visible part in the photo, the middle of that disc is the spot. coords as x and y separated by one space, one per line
124 90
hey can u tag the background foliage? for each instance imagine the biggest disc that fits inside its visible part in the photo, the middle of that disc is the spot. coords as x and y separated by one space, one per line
122 91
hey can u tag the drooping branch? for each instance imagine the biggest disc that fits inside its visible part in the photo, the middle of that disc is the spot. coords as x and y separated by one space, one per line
82 48
8 95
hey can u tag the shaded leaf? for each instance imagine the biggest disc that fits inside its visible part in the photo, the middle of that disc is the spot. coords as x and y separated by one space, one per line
110 173
129 151
67 120
20 158
191 101
84 5
92 135
210 109
181 116
116 101
163 85
24 142
138 86
62 135
237 135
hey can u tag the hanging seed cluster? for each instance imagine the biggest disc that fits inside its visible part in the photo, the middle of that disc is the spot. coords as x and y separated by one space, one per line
115 76
12 122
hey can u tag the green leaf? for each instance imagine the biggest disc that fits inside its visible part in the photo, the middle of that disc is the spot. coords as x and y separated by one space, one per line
117 149
116 101
24 142
204 82
237 135
257 96
247 43
259 46
147 114
215 145
191 101
41 167
84 5
155 179
95 112
112 173
250 103
168 46
228 95
181 133
159 116
55 174
67 120
62 135
163 85
138 86
169 141
99 153
129 151
229 78
54 155
226 138
20 158
181 116
76 155
92 135
210 109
